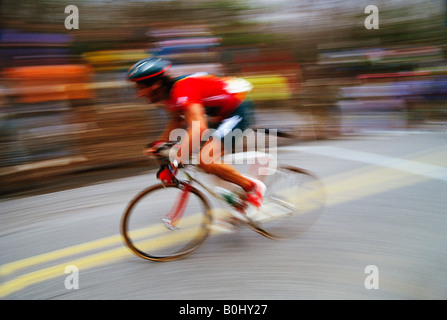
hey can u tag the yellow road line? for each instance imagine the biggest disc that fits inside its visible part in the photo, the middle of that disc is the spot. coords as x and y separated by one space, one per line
340 188
11 267
28 279
370 180
91 261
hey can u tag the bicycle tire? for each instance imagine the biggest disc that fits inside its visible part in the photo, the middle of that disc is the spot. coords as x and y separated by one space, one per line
150 204
297 195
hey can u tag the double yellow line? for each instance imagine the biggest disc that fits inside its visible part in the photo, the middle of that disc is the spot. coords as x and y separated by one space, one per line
90 261
340 188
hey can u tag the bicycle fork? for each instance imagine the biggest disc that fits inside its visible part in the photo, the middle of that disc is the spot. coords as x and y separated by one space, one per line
176 212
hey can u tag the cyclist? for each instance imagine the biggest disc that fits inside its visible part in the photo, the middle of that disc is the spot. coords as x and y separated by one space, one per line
207 100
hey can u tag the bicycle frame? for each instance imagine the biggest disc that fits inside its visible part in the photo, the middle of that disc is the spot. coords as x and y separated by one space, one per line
176 212
262 221
255 171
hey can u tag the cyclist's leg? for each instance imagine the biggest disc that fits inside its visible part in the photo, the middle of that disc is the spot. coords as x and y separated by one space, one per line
211 164
210 161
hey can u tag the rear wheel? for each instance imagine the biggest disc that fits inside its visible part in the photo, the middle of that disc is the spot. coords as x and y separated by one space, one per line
292 203
146 231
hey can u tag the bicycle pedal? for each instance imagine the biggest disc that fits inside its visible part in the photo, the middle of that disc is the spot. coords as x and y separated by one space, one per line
168 224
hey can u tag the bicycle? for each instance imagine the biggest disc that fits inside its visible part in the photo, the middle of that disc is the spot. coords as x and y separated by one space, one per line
157 228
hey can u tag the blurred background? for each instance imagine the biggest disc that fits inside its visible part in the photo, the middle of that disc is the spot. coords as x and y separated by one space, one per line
317 72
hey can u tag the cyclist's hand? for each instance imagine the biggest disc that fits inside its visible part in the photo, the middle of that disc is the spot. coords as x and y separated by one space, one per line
149 151
167 173
152 148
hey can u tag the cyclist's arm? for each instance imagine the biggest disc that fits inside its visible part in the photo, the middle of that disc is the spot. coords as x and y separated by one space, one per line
175 122
195 119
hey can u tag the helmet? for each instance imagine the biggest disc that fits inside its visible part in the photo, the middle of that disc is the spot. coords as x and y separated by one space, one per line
148 68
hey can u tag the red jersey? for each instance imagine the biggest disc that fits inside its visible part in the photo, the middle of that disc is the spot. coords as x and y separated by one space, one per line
219 96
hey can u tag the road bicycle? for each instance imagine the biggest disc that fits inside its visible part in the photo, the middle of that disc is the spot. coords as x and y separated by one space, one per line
166 222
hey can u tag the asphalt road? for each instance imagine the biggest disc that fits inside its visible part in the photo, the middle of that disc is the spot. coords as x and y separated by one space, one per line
382 234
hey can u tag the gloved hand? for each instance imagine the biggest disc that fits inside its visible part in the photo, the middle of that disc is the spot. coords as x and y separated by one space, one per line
152 148
167 173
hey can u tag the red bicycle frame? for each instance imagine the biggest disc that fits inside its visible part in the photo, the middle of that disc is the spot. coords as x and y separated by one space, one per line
173 216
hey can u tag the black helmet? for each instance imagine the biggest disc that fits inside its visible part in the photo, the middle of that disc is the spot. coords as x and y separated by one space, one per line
148 68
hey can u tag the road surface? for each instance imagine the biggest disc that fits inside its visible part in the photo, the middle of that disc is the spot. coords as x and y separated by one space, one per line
381 235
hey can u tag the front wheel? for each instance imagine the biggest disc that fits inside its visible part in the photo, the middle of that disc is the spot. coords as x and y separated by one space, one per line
292 203
146 224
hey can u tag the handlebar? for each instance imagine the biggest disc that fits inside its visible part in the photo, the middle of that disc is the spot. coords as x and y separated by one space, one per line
162 154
